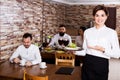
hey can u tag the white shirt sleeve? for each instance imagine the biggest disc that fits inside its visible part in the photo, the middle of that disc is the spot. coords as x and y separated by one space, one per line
37 57
115 50
53 41
15 54
82 52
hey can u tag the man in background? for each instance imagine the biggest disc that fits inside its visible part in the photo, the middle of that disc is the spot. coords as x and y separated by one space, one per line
61 39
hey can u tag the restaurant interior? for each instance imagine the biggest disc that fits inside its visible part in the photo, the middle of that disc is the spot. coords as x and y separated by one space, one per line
42 18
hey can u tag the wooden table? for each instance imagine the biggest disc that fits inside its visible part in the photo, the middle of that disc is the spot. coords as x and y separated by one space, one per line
9 71
50 58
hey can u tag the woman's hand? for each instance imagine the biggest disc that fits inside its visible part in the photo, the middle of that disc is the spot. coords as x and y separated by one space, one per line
98 48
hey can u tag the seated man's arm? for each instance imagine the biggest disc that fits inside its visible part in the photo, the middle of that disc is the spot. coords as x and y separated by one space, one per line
37 56
53 40
14 57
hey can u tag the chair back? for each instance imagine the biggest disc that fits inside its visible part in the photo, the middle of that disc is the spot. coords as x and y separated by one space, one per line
65 59
32 77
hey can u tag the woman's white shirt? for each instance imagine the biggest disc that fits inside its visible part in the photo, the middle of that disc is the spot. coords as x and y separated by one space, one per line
104 37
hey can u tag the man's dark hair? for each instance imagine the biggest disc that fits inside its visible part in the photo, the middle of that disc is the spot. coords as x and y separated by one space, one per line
62 25
26 35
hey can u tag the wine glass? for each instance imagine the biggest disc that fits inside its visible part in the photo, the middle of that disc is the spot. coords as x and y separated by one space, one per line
60 41
65 42
45 44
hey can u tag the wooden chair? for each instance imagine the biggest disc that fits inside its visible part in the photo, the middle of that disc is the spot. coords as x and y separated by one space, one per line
32 77
65 59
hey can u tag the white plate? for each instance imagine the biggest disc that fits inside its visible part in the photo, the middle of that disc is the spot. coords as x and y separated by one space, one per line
60 52
21 65
69 48
43 67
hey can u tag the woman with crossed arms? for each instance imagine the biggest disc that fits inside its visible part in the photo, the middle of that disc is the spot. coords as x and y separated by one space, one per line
100 44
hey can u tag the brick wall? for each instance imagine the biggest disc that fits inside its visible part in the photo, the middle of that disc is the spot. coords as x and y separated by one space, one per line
80 15
35 16
53 15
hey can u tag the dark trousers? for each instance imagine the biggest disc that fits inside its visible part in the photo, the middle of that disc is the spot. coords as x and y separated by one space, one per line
95 68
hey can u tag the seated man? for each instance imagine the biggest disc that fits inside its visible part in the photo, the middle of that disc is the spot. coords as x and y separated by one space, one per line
26 54
61 39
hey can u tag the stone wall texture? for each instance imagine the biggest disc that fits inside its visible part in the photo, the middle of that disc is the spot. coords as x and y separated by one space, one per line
34 16
81 15
41 19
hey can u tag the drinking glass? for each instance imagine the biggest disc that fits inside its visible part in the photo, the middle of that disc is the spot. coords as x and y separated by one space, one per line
65 42
60 41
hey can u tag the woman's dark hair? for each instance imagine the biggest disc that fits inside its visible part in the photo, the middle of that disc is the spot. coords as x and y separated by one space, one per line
100 7
26 35
82 28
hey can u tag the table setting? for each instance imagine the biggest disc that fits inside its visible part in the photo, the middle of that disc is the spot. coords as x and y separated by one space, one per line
62 46
61 50
15 72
